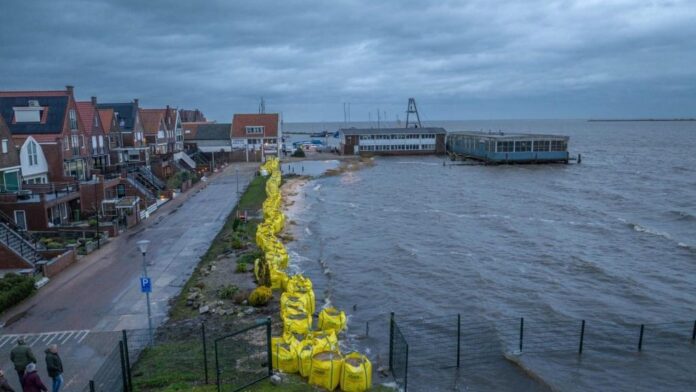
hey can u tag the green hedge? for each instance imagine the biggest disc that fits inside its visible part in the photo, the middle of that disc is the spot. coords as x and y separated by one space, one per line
13 289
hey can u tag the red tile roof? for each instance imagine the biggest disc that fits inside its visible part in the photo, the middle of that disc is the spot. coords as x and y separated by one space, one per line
152 118
106 116
269 121
86 113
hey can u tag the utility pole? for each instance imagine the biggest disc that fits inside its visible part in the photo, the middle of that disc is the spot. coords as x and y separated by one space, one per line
378 119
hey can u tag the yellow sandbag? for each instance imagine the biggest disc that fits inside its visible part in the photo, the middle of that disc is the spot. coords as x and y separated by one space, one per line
331 319
324 338
356 375
295 299
278 279
306 350
295 340
297 323
309 293
291 308
297 281
284 356
326 369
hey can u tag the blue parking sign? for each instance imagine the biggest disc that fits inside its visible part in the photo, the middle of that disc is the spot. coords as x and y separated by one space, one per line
145 285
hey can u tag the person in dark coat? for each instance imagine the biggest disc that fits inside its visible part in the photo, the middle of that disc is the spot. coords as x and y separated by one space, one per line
21 356
4 385
54 367
32 382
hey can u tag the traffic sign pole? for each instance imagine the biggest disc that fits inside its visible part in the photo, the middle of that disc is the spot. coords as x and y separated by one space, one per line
147 296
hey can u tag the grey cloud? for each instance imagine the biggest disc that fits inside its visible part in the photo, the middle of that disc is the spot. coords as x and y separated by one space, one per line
533 58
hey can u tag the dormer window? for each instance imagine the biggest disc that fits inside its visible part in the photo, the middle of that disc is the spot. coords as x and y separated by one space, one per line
254 129
28 114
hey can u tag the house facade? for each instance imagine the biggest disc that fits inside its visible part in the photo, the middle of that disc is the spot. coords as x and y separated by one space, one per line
95 134
256 135
128 133
10 166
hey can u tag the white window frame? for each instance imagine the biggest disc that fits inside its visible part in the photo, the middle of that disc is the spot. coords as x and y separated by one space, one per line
23 226
5 146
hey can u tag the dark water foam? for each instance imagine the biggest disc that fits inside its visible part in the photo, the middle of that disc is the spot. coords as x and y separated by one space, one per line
611 240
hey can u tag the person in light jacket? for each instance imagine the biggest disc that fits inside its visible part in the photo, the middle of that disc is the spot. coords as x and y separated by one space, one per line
54 367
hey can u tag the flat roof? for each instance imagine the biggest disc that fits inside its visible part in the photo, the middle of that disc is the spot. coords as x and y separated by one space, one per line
383 131
509 136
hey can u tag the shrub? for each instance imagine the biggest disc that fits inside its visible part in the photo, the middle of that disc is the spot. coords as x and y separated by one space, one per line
299 153
92 222
54 245
248 258
241 268
13 289
200 285
227 292
261 296
236 243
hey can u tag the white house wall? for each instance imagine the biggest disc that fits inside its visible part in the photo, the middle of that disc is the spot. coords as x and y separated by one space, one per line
42 165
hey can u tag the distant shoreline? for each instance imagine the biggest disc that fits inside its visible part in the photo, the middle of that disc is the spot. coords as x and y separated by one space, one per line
641 119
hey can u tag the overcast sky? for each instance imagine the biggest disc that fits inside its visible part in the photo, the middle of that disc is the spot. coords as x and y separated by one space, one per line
478 59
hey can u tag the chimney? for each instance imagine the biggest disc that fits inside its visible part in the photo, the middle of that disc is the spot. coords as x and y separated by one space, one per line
135 101
167 108
94 100
69 88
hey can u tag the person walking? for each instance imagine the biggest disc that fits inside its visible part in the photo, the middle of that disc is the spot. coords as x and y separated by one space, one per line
32 382
54 367
21 356
4 385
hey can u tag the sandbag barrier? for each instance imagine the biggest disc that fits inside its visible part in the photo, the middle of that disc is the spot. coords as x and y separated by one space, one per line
303 348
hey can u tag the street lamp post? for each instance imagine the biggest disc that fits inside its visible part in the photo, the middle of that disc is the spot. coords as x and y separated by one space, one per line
142 246
236 171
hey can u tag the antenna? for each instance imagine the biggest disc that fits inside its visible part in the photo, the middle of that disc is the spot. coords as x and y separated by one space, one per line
413 109
262 106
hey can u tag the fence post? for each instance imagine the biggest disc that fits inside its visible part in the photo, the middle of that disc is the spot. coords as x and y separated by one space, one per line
128 367
693 333
459 336
582 336
217 368
205 353
521 332
269 352
367 328
640 339
91 386
124 373
391 342
406 371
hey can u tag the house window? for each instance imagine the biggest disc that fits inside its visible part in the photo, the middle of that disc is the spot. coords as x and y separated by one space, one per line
96 122
21 219
33 154
4 146
73 119
254 129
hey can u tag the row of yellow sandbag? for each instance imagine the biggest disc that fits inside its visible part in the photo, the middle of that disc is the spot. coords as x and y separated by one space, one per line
313 354
318 358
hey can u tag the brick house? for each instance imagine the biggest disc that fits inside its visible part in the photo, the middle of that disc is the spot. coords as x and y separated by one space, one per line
256 135
95 134
10 166
47 121
128 133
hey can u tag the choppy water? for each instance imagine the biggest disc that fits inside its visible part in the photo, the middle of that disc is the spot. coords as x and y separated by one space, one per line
612 241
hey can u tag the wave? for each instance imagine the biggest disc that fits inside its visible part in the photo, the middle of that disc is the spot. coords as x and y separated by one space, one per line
642 229
683 215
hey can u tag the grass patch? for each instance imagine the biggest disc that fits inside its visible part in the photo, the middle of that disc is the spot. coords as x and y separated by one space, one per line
168 365
251 200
